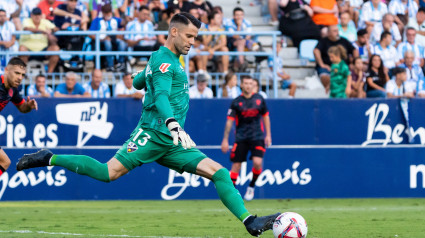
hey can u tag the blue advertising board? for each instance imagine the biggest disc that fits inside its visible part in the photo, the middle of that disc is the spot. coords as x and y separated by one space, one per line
288 173
89 122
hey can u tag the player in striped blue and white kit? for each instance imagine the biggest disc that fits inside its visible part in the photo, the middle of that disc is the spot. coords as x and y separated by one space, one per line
96 87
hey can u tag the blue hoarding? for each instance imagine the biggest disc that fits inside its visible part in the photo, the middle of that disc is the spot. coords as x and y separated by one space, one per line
89 122
288 173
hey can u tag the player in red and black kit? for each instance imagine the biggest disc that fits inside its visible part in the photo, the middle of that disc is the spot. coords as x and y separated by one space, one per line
13 75
249 111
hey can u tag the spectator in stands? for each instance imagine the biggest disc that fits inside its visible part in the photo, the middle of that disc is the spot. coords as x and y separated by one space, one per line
156 7
414 72
204 8
372 13
387 24
110 42
343 6
363 47
68 18
96 87
411 45
40 88
256 88
297 16
346 29
273 10
230 88
71 88
141 42
200 89
340 86
216 42
397 87
357 79
355 7
386 51
47 7
418 24
325 12
182 5
128 10
95 8
321 54
402 11
240 42
164 24
125 88
13 9
284 78
421 89
7 38
376 78
196 61
41 40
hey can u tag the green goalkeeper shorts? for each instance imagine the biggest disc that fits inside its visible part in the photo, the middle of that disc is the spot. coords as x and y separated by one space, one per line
146 146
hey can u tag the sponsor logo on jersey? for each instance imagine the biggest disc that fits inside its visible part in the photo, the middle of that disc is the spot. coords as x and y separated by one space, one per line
131 147
164 67
258 101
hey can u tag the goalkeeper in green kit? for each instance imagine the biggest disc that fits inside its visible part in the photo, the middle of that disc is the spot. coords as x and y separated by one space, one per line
159 136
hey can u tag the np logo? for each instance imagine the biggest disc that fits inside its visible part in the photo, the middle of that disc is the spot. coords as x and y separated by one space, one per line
131 147
164 67
90 118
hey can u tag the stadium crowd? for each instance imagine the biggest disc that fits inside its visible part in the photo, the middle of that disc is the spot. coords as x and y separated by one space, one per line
364 48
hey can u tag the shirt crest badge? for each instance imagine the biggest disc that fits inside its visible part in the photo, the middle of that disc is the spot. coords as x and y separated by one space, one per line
131 147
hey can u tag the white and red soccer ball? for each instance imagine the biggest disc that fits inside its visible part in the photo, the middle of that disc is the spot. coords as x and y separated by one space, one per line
290 225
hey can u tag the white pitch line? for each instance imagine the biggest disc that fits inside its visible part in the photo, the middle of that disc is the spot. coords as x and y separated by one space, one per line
87 235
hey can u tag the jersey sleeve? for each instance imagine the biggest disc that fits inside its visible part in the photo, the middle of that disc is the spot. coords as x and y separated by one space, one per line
231 114
16 98
162 77
139 81
264 110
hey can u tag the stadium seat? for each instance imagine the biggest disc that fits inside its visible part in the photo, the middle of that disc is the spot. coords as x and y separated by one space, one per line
306 49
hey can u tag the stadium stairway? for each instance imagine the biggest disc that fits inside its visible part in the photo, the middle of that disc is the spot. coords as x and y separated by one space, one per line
298 69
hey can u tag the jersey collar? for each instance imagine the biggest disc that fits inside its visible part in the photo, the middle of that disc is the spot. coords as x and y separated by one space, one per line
163 48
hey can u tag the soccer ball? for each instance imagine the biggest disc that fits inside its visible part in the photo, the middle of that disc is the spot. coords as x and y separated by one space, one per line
290 225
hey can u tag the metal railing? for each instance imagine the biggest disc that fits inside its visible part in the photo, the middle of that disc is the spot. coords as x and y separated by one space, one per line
97 52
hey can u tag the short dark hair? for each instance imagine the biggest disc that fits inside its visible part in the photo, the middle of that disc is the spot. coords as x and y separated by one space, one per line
40 76
243 77
184 18
237 9
361 32
421 9
143 7
399 70
107 8
17 61
2 10
385 34
212 15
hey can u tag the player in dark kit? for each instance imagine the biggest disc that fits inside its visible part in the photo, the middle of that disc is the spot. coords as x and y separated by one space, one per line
14 73
247 111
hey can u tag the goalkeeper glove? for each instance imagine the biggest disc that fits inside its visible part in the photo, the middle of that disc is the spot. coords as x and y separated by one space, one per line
179 134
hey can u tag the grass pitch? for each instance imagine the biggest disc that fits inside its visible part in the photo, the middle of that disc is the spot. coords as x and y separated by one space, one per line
326 218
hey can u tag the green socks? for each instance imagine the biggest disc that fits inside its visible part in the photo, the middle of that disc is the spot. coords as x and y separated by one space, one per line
82 164
229 195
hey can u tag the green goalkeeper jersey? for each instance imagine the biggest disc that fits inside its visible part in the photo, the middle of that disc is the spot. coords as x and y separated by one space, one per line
167 93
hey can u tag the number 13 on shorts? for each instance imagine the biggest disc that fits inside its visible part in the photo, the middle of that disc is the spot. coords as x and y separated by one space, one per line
145 138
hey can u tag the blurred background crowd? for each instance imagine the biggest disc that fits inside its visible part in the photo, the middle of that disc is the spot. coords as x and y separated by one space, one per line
327 48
